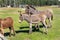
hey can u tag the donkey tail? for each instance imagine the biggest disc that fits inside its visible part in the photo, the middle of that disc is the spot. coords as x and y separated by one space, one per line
52 17
51 11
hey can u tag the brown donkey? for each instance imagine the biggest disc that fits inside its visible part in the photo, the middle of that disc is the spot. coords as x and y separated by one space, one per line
6 23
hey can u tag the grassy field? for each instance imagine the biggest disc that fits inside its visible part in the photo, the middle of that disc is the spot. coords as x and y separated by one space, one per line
23 28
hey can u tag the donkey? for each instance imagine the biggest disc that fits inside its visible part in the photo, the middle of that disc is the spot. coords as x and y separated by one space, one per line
6 23
33 19
48 13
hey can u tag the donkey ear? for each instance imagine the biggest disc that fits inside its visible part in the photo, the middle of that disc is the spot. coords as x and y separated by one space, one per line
20 13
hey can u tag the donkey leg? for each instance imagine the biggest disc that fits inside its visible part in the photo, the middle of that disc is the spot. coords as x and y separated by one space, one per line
13 30
2 31
50 25
10 31
38 26
45 26
50 22
35 26
30 30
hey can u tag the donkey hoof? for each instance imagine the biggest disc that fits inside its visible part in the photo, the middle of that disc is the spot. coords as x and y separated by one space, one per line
30 32
49 26
46 33
13 34
37 29
9 35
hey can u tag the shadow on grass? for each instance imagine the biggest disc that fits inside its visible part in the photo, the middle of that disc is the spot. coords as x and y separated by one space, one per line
25 31
6 34
41 26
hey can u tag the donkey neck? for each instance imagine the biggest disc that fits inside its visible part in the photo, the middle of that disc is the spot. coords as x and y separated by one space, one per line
31 10
26 17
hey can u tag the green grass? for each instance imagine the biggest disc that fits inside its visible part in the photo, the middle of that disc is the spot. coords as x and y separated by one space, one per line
53 33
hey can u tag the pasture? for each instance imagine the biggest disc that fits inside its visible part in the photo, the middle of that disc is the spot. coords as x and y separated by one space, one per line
23 28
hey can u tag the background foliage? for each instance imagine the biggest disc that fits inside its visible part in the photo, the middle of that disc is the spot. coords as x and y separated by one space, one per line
16 3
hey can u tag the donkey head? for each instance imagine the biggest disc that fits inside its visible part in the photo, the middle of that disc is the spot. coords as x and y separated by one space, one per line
20 17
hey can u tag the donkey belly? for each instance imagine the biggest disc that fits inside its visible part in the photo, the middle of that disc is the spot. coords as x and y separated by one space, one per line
35 20
5 25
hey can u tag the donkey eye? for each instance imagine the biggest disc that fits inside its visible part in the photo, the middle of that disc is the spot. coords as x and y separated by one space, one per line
21 15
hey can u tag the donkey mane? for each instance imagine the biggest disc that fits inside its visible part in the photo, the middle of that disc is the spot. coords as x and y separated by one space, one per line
32 7
27 7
